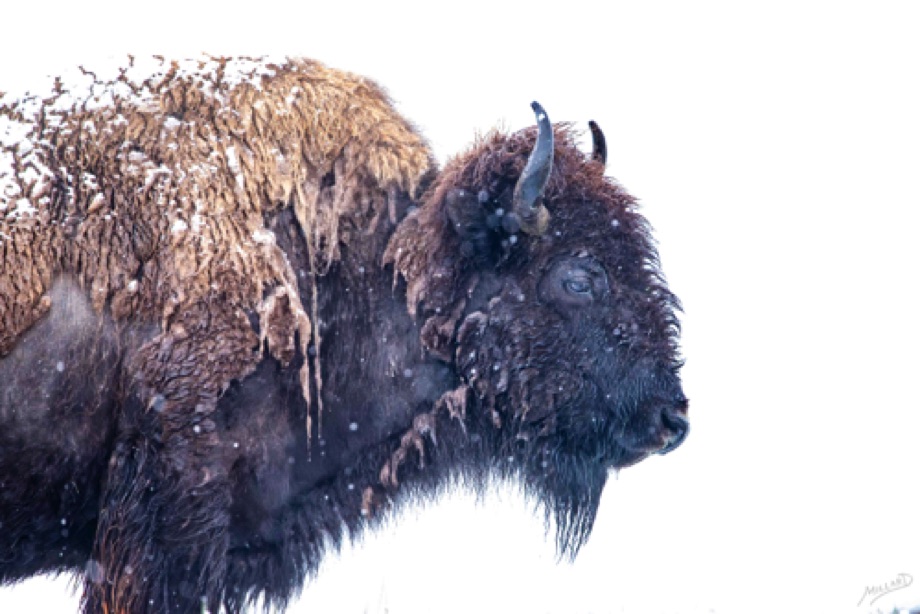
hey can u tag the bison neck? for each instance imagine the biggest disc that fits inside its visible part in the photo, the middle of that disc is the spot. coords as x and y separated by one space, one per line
373 378
374 374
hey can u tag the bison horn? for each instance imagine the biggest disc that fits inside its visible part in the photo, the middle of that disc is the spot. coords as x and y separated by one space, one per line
599 150
527 202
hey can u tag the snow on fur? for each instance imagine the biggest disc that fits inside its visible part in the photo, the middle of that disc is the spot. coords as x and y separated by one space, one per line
148 181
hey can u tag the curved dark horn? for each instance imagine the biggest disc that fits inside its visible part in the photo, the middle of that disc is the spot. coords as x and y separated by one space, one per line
528 193
599 151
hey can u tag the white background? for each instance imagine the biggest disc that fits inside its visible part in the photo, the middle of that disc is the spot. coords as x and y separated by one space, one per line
776 150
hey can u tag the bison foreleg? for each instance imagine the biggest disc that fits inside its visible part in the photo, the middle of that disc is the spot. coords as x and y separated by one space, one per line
163 532
161 541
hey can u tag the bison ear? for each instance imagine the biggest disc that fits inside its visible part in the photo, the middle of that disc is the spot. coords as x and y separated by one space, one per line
481 229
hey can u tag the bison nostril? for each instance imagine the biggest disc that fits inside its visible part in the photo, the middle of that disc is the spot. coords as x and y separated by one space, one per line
675 421
680 404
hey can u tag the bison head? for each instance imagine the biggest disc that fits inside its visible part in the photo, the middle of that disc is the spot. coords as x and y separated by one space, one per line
535 275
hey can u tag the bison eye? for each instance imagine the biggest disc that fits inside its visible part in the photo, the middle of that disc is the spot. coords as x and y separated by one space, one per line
574 281
581 286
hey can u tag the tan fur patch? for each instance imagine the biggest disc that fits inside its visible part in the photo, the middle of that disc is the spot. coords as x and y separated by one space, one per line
150 188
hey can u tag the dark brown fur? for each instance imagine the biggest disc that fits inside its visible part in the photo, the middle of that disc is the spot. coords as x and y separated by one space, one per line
190 413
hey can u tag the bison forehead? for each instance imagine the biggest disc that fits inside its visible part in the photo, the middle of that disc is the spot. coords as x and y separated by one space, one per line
589 212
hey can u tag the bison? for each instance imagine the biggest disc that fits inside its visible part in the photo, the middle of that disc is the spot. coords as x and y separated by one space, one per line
244 313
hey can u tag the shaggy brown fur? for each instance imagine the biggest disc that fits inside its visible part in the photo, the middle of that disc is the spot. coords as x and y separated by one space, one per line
152 193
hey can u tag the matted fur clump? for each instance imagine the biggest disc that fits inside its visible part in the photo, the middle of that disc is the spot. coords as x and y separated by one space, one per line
150 185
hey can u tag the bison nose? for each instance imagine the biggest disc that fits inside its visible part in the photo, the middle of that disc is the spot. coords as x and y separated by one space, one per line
674 419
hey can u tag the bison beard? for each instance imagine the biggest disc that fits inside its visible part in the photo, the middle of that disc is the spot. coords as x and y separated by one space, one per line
243 316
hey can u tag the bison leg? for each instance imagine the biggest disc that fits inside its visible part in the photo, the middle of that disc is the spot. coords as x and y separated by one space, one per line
163 532
162 539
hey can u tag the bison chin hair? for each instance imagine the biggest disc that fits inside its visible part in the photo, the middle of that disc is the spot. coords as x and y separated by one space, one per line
571 495
565 483
565 459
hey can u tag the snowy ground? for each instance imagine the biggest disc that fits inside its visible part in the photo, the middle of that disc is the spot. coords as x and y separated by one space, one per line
775 150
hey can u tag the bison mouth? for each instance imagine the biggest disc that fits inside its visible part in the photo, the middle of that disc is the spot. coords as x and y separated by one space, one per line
655 427
678 427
